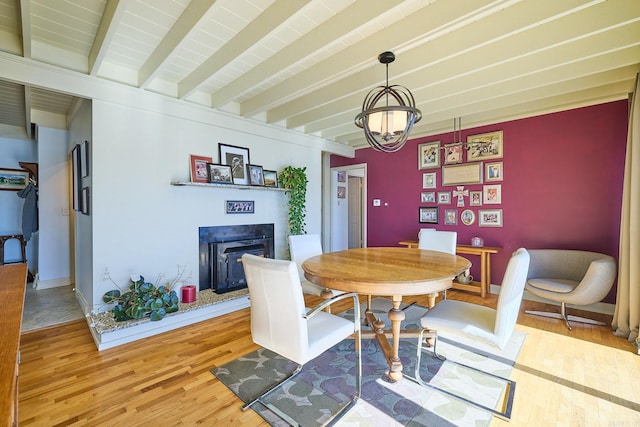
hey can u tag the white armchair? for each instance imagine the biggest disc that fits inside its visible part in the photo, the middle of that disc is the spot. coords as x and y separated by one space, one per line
302 247
281 323
570 277
441 241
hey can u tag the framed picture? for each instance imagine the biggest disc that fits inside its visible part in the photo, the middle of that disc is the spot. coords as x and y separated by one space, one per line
453 153
428 197
240 206
475 198
84 159
199 168
468 217
76 185
428 215
13 179
493 171
484 146
342 192
429 180
342 176
444 198
429 155
270 178
462 174
490 218
492 194
451 217
219 174
238 159
85 201
256 175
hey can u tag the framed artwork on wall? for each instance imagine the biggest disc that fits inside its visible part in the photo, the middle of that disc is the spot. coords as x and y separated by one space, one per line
451 217
84 159
490 218
429 155
240 206
428 215
485 146
76 178
342 192
453 153
256 175
342 176
238 159
429 180
468 217
270 178
428 197
13 179
492 194
493 171
85 201
198 168
219 174
462 174
444 198
475 198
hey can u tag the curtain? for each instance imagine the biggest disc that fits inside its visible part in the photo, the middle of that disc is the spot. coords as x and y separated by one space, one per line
627 313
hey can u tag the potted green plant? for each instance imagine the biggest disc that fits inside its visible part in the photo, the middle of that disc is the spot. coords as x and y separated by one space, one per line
294 180
142 299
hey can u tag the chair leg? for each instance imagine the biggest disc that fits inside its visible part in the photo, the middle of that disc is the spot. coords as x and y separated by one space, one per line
563 315
508 395
270 389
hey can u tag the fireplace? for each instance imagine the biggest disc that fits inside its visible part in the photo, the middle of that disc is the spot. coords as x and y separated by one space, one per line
221 249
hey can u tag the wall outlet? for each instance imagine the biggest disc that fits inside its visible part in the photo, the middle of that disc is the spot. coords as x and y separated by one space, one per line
376 202
65 211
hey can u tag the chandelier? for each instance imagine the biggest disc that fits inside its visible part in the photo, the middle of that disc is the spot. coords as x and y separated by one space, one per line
387 126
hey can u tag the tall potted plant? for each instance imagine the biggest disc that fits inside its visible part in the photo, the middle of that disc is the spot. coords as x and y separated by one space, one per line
294 180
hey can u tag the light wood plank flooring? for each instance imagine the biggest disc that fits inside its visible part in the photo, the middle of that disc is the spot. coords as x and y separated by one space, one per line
584 377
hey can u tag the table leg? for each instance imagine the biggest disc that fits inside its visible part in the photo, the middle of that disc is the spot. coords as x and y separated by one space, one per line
431 300
484 261
396 315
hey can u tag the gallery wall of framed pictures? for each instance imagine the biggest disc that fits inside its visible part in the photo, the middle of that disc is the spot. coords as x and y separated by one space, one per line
80 164
475 169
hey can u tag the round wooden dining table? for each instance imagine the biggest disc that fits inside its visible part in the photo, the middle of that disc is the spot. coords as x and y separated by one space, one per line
386 271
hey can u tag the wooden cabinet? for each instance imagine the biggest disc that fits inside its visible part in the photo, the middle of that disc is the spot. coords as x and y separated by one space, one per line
13 281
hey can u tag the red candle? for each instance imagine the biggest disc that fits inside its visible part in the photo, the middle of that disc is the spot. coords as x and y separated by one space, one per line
188 294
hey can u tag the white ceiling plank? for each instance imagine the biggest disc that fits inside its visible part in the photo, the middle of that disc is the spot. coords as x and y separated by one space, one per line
274 16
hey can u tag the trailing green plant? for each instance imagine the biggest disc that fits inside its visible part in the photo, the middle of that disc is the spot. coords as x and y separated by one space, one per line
143 299
294 180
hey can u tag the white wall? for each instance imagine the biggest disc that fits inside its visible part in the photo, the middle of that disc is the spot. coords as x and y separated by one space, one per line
53 235
142 224
80 130
12 151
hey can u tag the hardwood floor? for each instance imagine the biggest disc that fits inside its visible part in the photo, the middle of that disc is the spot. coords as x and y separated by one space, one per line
584 377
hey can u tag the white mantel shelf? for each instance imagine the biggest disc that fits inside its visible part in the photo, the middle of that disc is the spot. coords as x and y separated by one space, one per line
226 186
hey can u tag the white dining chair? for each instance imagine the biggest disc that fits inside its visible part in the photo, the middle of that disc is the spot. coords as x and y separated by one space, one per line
441 241
281 323
490 326
301 248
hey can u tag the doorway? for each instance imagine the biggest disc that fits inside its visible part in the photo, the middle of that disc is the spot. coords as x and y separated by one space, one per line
348 207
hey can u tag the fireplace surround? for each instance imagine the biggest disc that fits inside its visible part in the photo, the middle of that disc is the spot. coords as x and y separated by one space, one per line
221 249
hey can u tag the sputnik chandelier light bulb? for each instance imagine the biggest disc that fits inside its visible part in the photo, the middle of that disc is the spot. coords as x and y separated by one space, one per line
388 113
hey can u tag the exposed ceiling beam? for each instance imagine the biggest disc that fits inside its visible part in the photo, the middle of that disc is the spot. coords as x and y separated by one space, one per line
269 20
108 25
196 12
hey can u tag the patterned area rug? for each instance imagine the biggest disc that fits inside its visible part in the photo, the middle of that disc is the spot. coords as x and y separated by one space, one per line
328 382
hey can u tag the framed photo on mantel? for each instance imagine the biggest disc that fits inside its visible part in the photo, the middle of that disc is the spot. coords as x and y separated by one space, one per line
238 159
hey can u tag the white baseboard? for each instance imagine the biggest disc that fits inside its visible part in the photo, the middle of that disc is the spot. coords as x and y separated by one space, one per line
118 337
600 307
53 283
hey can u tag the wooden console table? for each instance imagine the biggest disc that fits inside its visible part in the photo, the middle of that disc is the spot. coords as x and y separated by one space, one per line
485 265
13 281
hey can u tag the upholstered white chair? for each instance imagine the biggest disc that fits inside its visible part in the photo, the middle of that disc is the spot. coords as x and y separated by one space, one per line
302 247
484 324
570 277
281 323
436 240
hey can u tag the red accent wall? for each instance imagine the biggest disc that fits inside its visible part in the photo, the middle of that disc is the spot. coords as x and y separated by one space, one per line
562 187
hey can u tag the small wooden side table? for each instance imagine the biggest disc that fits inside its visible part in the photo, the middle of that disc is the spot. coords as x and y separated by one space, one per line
23 246
485 265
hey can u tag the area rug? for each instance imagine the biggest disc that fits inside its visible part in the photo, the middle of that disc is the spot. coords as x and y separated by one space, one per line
328 382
